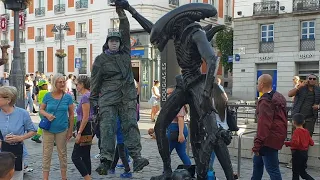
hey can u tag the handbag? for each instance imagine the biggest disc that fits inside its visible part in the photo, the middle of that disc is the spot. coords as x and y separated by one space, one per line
87 133
232 120
45 124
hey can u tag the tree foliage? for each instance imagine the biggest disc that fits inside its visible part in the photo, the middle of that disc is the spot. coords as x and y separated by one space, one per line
224 42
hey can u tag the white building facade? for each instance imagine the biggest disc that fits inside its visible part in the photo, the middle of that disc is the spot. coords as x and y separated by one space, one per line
89 22
274 37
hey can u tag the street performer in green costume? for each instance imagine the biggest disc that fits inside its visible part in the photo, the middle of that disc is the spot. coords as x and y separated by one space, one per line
113 91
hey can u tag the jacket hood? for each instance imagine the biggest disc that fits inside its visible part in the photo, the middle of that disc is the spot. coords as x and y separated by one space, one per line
275 97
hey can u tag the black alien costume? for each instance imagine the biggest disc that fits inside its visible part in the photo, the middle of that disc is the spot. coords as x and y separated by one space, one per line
193 88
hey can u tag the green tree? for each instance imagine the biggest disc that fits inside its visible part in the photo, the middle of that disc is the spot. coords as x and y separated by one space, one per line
224 42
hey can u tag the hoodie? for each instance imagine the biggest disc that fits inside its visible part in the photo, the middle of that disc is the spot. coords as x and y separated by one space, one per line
272 121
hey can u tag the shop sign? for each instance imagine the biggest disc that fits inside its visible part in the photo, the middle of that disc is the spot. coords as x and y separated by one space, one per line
4 23
305 56
163 80
265 58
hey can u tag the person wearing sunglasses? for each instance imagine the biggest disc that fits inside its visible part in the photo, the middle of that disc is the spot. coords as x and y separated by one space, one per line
306 101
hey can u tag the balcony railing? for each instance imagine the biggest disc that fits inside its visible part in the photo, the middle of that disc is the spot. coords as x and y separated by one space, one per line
4 42
59 8
22 40
39 38
305 6
266 47
80 35
174 2
307 45
57 37
268 8
82 4
40 11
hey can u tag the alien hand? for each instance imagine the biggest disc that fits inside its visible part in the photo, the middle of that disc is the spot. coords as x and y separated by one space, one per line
123 4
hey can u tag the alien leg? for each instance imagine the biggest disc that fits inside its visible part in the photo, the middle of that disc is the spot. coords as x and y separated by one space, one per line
211 129
222 153
168 112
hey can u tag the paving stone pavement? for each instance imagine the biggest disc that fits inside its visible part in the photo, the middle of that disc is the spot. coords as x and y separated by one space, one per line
149 150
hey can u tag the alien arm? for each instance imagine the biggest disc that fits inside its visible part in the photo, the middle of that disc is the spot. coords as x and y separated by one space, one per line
206 52
124 29
145 23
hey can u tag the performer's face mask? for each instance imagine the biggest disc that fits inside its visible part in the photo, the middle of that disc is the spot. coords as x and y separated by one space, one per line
114 44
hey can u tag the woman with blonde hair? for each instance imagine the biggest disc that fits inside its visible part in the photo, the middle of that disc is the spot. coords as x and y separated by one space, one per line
14 123
58 108
155 100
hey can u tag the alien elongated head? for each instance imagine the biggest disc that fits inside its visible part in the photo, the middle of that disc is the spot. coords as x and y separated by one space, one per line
164 28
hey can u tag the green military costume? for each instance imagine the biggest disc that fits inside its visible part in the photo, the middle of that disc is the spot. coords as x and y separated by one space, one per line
113 91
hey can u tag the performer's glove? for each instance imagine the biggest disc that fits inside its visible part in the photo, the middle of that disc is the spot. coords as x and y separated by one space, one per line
124 4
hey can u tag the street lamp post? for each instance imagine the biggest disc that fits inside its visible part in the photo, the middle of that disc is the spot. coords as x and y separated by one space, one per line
59 28
17 75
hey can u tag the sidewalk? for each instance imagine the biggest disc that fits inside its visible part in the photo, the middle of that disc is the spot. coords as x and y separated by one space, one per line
149 150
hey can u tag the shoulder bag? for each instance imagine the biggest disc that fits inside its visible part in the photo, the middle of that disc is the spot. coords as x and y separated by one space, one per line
232 119
16 149
45 124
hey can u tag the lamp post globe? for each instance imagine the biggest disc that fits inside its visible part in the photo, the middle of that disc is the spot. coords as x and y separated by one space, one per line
17 75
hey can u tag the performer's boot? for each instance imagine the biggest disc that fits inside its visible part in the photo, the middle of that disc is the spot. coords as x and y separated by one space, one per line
167 173
140 163
104 167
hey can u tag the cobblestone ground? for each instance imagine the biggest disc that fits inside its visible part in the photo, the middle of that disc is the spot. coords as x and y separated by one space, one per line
149 151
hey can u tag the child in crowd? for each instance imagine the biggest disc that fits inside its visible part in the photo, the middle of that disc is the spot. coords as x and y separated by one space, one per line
7 161
300 142
121 152
43 87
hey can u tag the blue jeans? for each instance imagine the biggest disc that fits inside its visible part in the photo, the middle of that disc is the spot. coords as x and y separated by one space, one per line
180 147
213 156
120 136
268 157
29 101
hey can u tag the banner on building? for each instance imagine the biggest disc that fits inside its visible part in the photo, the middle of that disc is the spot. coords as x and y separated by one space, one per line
22 20
4 22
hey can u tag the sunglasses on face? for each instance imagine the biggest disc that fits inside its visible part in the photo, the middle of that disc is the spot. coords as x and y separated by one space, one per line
312 79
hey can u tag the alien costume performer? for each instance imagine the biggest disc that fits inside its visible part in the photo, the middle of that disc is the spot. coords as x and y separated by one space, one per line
113 91
191 45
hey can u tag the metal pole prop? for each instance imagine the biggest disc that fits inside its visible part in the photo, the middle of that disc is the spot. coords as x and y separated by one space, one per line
17 75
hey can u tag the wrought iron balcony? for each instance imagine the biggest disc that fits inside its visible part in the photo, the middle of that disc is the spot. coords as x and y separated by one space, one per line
81 35
82 4
174 2
39 38
4 42
57 37
59 8
307 45
305 6
267 8
22 40
266 47
40 11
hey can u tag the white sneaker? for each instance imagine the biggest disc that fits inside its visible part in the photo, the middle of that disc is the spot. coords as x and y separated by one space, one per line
27 170
97 156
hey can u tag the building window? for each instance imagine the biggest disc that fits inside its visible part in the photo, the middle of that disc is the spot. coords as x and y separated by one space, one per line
22 36
267 33
115 23
4 39
40 32
307 30
40 35
82 30
40 61
211 2
307 42
267 37
83 56
195 1
40 3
